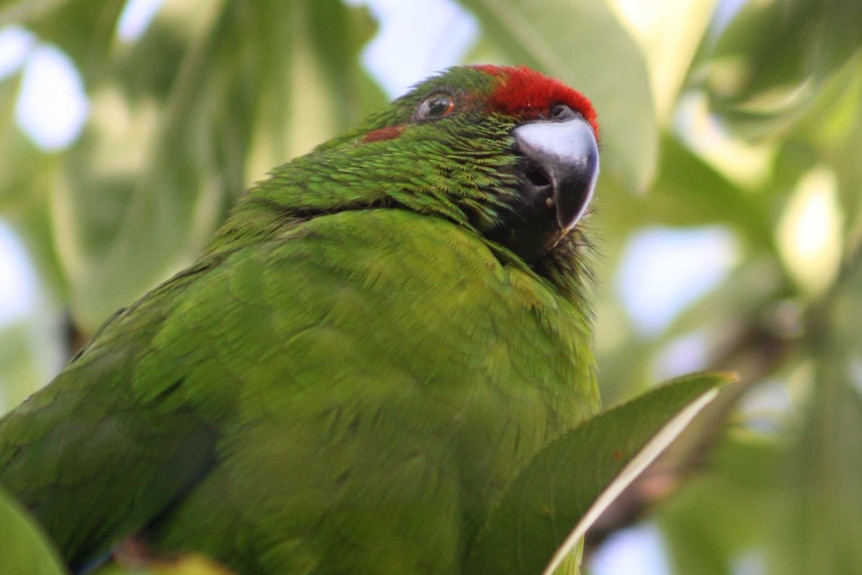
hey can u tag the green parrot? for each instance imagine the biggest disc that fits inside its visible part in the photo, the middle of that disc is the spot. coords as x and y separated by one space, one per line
382 333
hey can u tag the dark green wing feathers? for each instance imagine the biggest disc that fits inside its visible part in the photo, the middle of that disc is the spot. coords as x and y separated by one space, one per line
91 455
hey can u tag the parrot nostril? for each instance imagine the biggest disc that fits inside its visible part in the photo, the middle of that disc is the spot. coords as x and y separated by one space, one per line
537 177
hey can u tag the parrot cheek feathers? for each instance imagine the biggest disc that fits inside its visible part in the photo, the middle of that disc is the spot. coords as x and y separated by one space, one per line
558 172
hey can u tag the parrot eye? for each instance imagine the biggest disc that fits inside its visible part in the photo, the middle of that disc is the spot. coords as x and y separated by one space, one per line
435 106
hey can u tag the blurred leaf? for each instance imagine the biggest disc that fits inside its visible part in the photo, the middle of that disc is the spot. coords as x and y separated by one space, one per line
691 192
35 227
26 181
233 107
564 488
147 68
772 59
25 184
151 225
84 29
25 358
23 163
338 33
832 134
24 550
581 42
723 513
824 512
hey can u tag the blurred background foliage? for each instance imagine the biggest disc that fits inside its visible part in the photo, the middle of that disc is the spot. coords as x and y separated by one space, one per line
728 216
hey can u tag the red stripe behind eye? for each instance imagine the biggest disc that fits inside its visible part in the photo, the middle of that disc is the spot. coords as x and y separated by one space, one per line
387 133
525 92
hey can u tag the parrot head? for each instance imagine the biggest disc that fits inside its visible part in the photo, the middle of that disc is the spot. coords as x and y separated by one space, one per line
505 152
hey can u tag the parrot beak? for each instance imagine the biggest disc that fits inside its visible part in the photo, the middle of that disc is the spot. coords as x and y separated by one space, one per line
558 170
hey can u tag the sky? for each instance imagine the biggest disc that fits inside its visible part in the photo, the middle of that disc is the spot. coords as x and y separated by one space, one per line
663 271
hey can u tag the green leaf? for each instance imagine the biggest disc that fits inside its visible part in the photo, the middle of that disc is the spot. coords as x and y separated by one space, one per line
562 491
84 30
723 513
694 193
772 60
24 550
27 177
819 524
581 42
245 88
